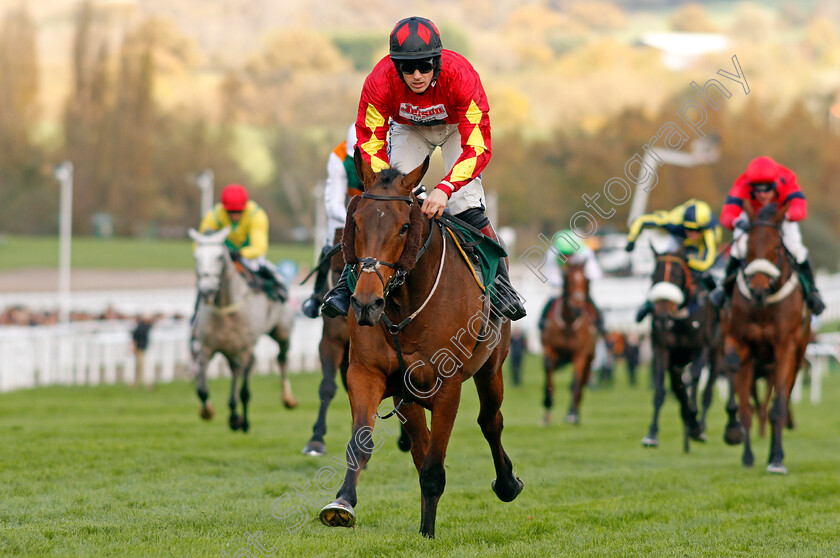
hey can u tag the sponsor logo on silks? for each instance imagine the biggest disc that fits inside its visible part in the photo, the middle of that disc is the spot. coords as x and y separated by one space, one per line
428 114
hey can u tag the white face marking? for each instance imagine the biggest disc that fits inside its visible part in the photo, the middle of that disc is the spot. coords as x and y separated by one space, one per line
381 213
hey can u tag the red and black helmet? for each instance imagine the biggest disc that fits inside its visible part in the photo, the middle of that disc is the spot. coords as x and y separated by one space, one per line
234 197
415 38
763 170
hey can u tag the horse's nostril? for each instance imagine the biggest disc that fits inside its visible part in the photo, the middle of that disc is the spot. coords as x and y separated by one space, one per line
357 307
377 304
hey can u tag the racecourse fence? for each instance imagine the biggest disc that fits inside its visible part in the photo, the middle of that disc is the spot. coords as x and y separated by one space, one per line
101 352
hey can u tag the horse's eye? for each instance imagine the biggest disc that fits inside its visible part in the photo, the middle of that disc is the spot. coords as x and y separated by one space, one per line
404 229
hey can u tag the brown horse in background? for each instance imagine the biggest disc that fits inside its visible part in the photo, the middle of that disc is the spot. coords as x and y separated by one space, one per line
440 332
680 336
569 336
767 332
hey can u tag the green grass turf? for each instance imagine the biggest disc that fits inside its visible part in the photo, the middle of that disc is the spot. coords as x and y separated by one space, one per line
108 471
18 252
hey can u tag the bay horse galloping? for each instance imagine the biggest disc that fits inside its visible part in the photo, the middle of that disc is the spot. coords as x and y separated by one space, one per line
230 317
569 336
679 335
419 328
768 330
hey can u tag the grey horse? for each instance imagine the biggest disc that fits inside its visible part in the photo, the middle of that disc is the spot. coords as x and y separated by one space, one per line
229 319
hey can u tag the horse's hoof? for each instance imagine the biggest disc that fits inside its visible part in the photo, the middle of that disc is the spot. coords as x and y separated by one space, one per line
244 425
315 448
206 412
572 418
338 514
698 435
290 402
777 469
733 436
506 497
235 422
650 442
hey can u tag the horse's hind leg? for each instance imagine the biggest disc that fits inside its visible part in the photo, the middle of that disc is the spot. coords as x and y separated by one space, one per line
733 433
289 400
490 387
743 382
331 356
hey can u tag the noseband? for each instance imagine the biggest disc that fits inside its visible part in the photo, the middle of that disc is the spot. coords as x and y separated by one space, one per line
372 265
766 267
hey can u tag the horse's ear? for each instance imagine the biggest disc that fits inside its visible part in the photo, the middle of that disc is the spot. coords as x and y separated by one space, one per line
652 249
195 235
363 170
780 213
412 179
748 211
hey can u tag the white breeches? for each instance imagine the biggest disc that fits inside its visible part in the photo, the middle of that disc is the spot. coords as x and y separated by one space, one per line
791 238
410 145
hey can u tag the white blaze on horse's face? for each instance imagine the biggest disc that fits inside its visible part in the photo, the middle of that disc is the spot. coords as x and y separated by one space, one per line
209 260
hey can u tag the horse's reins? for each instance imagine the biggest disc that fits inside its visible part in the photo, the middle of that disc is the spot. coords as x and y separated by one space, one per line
371 265
324 261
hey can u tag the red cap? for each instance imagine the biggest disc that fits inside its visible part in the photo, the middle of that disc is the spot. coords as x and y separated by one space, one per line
234 197
762 169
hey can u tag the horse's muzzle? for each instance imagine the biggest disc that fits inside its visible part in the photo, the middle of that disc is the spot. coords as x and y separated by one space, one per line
367 313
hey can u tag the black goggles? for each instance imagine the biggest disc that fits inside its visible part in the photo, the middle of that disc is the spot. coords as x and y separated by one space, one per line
411 66
762 187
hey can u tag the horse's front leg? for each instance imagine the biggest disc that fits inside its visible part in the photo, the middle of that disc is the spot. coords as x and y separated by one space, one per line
432 473
331 354
659 364
785 377
549 364
366 388
236 366
582 365
743 386
245 393
688 412
415 427
200 360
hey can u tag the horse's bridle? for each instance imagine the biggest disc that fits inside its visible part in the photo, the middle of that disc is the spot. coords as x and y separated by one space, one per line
761 265
371 265
668 259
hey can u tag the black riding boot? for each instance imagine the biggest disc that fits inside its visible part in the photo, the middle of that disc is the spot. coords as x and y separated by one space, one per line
720 295
508 303
337 300
815 302
276 283
312 306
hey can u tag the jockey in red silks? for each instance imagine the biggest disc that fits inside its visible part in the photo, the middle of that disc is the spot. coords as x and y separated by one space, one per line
417 98
766 181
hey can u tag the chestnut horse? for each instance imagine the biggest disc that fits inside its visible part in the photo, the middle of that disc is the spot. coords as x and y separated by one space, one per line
767 331
437 331
569 336
678 337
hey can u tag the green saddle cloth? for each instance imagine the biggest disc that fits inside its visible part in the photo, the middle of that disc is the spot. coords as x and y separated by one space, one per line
489 254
